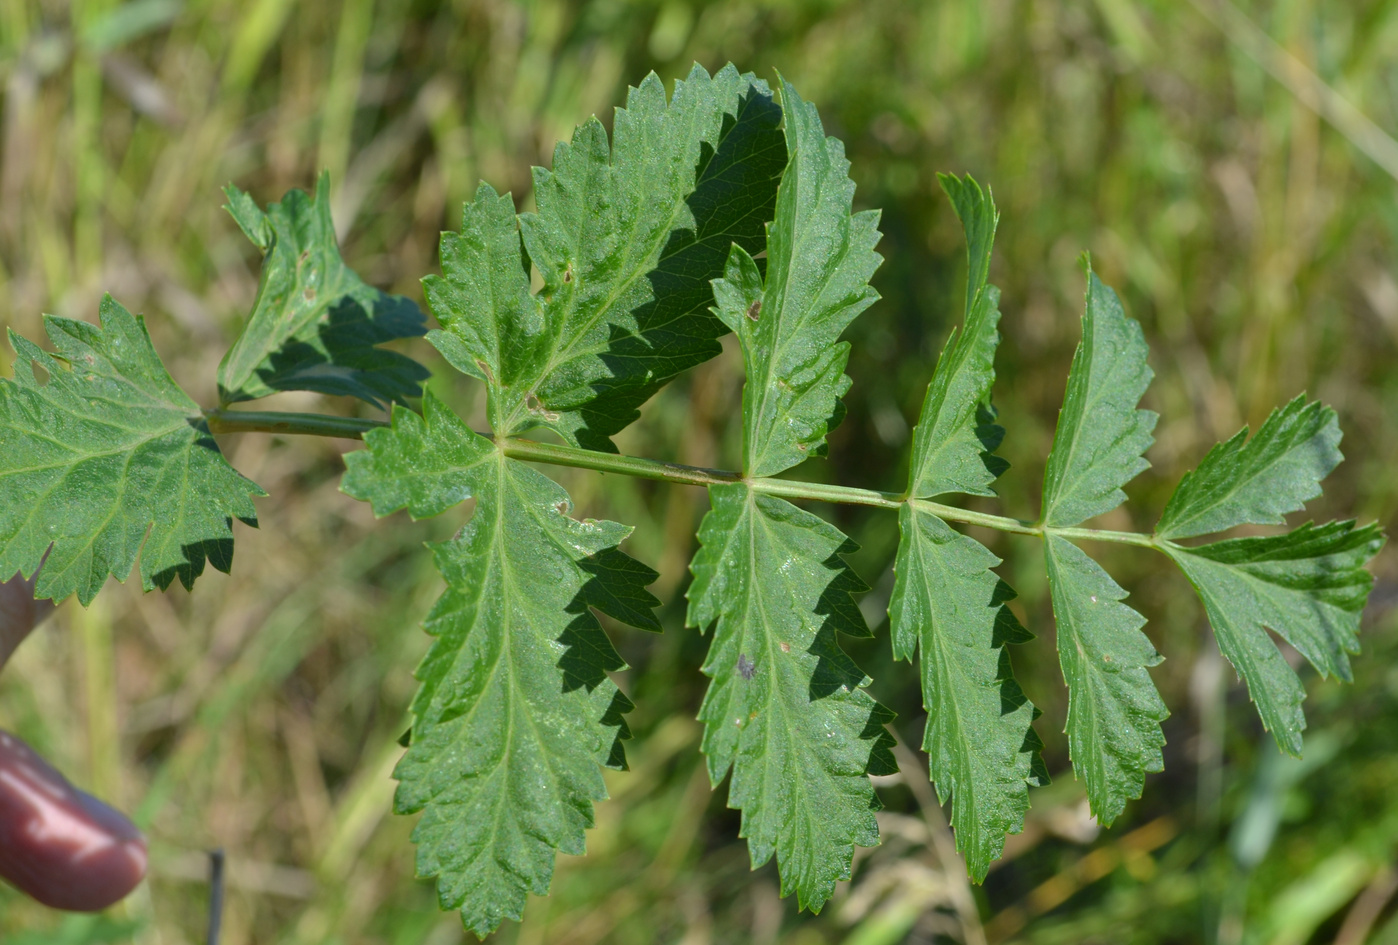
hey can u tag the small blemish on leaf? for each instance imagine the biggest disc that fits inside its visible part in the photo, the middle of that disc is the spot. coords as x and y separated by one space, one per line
786 647
309 295
754 310
746 667
568 275
534 405
562 507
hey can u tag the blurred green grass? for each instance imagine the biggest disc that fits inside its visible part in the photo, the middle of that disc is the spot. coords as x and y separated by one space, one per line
260 713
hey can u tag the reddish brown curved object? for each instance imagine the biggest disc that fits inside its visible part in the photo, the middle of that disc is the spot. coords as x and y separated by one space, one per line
58 844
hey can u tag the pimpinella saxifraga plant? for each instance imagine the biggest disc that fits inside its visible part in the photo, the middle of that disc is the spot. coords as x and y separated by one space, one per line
722 208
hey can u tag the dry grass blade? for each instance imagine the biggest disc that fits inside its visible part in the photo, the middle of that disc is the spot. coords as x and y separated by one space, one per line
1310 89
953 867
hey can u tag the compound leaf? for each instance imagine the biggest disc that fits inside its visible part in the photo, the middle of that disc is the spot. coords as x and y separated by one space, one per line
787 711
108 459
1114 711
1101 435
516 711
1309 586
984 752
820 258
955 439
627 238
1257 481
315 325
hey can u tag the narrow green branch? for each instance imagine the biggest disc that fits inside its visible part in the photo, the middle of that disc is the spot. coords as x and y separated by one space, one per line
305 424
1021 527
999 522
249 421
536 452
823 492
1102 534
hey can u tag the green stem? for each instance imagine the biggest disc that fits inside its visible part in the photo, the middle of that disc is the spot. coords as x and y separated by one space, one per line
999 522
305 424
536 452
1102 534
248 421
822 492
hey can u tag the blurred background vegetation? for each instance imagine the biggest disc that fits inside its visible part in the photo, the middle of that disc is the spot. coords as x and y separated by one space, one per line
1177 141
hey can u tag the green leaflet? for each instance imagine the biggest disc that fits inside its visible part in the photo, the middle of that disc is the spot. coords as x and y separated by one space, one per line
955 439
946 600
493 329
516 711
1101 435
315 325
109 450
1309 586
1257 481
426 464
1114 711
786 710
820 258
627 239
984 752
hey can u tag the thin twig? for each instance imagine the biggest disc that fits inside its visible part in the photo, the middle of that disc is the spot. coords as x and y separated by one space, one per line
215 895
